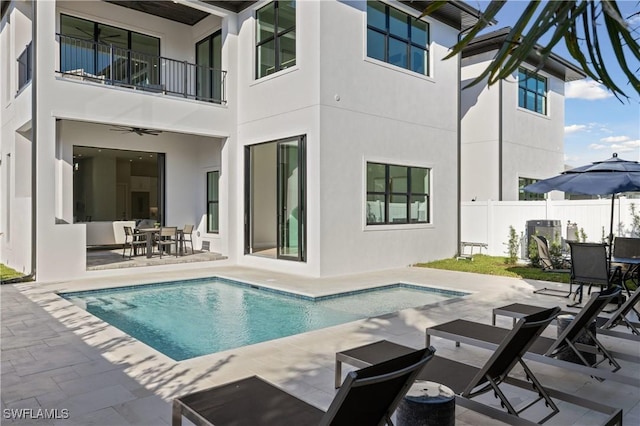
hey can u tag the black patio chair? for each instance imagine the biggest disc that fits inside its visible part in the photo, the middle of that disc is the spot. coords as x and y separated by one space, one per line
590 266
624 247
367 397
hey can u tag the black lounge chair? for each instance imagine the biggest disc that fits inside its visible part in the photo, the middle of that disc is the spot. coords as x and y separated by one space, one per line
467 381
544 349
605 326
367 397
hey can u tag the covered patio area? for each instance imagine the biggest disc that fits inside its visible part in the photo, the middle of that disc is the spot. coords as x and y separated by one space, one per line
111 258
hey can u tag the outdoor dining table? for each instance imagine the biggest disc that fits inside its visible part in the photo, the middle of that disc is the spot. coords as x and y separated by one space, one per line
632 270
149 235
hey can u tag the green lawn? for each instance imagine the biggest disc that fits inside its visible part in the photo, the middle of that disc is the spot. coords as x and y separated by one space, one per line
8 273
495 265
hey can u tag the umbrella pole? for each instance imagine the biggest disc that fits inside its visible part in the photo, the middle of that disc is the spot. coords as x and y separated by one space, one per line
613 201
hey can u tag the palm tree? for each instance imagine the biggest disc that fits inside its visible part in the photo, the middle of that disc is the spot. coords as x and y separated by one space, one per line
585 26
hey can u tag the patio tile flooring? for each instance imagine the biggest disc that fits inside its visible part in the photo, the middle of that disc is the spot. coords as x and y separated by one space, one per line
56 356
113 259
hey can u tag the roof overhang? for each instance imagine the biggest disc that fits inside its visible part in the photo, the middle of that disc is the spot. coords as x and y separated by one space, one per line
4 5
554 64
456 14
180 11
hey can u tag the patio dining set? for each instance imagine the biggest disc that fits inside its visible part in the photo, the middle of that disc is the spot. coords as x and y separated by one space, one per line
144 239
594 264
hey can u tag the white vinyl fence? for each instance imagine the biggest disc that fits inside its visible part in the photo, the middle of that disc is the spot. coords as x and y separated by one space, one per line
489 221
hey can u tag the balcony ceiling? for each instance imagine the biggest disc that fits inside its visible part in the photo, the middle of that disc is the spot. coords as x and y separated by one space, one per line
179 12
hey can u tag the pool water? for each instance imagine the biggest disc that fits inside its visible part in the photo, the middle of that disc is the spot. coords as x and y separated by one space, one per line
192 318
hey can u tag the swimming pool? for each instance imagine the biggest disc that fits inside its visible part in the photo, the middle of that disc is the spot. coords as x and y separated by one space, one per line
186 319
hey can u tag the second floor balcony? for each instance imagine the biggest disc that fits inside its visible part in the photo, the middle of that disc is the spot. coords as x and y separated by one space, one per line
112 65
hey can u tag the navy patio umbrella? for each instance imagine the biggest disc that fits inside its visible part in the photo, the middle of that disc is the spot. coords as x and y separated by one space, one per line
608 177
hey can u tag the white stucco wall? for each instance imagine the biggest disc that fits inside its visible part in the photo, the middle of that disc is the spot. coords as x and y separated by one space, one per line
373 111
281 105
15 146
479 133
352 109
532 144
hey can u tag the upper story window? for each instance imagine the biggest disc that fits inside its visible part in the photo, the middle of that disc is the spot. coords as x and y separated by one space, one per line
25 71
96 50
397 194
397 38
527 196
532 91
275 37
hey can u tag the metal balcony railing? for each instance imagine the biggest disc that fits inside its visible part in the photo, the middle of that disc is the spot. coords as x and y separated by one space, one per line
113 65
25 71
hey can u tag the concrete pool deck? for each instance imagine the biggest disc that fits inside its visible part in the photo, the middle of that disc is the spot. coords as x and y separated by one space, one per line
56 356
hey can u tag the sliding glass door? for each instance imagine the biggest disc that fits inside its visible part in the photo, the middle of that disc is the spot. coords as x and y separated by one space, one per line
209 68
290 194
275 199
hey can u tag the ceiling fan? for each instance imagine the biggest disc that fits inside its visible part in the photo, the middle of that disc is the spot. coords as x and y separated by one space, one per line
91 35
137 130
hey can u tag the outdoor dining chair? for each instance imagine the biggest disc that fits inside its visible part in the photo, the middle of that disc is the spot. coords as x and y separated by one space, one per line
133 242
167 237
627 248
187 232
590 266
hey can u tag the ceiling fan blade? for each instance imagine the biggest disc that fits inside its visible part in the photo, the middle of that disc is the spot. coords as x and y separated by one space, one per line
137 130
87 33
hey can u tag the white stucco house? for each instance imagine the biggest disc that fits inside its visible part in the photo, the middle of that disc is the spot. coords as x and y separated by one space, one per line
313 137
513 131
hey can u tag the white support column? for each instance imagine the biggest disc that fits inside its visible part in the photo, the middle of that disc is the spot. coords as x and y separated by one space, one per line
60 249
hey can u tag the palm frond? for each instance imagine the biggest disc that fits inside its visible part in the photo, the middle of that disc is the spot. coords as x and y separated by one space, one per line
582 25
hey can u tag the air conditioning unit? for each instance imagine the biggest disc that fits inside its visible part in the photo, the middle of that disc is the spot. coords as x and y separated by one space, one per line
550 229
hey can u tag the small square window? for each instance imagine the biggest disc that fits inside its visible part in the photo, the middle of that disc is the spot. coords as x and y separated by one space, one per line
275 37
532 91
397 38
397 194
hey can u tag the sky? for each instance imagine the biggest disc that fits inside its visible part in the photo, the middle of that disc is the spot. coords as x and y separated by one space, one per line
597 124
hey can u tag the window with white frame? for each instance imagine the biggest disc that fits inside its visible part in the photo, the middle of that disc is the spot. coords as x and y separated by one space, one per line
213 201
275 37
397 194
532 91
397 38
